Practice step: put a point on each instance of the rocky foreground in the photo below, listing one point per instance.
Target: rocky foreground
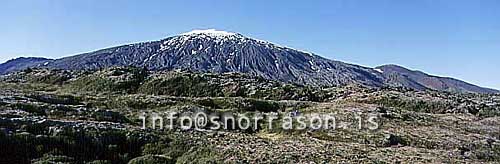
(51, 116)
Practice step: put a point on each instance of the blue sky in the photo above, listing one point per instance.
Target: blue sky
(456, 38)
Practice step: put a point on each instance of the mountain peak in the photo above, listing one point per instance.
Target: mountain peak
(222, 36)
(210, 32)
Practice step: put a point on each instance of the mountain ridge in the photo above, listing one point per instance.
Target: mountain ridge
(433, 81)
(21, 63)
(220, 52)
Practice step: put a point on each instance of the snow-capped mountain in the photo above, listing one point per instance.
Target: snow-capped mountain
(220, 51)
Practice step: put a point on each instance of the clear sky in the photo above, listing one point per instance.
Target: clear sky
(457, 38)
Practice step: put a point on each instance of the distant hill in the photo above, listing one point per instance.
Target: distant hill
(397, 75)
(21, 64)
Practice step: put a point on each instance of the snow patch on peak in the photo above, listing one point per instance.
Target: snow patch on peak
(210, 32)
(222, 36)
(379, 70)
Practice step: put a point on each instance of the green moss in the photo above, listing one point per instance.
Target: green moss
(100, 162)
(49, 79)
(29, 87)
(110, 116)
(30, 108)
(105, 81)
(49, 159)
(241, 104)
(200, 155)
(415, 105)
(152, 159)
(57, 99)
(488, 111)
(187, 85)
